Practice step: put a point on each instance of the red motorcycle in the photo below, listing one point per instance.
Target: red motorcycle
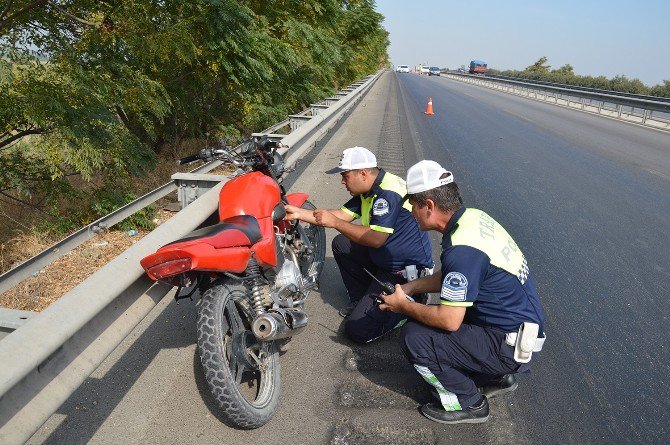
(254, 272)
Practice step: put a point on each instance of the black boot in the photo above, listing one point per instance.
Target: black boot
(477, 413)
(346, 311)
(498, 387)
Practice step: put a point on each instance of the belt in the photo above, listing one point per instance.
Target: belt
(422, 271)
(510, 339)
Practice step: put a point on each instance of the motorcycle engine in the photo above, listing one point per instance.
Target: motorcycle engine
(288, 274)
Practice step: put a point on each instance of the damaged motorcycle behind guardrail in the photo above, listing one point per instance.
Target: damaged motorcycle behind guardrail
(253, 271)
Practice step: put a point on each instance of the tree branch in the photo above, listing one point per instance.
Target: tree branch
(5, 21)
(27, 204)
(73, 17)
(6, 9)
(19, 135)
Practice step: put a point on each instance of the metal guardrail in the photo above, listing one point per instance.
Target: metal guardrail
(38, 262)
(46, 359)
(581, 88)
(642, 110)
(41, 260)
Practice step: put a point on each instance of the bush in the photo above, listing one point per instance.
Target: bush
(92, 205)
(566, 76)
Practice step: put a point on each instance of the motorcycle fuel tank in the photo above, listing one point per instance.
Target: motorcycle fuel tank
(250, 194)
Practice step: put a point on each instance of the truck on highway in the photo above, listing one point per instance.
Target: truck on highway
(477, 67)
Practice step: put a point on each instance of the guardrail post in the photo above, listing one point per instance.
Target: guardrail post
(12, 319)
(318, 109)
(297, 120)
(191, 186)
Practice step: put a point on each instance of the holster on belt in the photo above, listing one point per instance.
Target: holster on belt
(526, 341)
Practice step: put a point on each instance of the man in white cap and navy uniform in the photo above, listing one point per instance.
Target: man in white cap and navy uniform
(387, 243)
(489, 321)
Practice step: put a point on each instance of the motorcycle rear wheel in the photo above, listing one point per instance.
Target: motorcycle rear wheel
(242, 373)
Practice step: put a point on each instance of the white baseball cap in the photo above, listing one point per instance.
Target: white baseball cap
(355, 158)
(425, 175)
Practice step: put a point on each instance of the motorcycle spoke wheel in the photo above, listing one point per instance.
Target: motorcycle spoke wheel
(242, 373)
(311, 263)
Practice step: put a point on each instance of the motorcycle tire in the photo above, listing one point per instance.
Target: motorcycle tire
(242, 373)
(317, 236)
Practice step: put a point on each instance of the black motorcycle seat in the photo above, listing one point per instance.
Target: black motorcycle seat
(236, 231)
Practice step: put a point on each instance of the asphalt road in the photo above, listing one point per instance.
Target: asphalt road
(588, 201)
(586, 198)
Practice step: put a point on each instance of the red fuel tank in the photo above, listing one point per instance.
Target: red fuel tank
(250, 194)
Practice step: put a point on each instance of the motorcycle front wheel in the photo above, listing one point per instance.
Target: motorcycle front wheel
(312, 263)
(242, 373)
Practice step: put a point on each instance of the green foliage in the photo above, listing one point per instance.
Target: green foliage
(661, 90)
(98, 88)
(71, 209)
(566, 69)
(540, 66)
(565, 75)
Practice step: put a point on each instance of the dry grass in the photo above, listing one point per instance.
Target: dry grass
(21, 247)
(19, 242)
(58, 278)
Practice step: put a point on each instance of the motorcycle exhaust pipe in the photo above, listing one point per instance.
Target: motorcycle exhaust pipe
(278, 324)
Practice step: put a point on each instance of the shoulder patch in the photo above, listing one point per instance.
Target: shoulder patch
(380, 207)
(454, 287)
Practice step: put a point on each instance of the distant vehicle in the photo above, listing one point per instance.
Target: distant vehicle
(425, 70)
(402, 69)
(477, 67)
(433, 71)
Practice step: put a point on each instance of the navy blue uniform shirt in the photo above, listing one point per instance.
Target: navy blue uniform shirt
(493, 297)
(383, 210)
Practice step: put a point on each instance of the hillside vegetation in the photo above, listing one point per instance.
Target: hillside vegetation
(93, 92)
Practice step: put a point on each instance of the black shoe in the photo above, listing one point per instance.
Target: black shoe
(477, 413)
(346, 311)
(498, 387)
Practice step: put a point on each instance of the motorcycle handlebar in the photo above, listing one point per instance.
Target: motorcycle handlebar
(207, 153)
(188, 159)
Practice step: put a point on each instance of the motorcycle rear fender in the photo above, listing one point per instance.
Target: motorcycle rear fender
(203, 257)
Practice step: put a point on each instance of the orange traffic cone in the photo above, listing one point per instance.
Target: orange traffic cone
(429, 107)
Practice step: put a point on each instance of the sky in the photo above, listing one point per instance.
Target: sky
(596, 37)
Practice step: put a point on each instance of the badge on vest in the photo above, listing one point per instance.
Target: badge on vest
(380, 207)
(454, 287)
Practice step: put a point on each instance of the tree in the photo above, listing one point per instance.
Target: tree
(661, 90)
(539, 66)
(565, 69)
(97, 87)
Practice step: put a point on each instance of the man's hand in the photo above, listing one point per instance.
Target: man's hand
(294, 212)
(394, 302)
(325, 218)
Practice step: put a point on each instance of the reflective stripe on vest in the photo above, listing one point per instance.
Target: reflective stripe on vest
(478, 230)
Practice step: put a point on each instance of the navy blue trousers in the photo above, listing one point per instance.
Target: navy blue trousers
(460, 361)
(366, 322)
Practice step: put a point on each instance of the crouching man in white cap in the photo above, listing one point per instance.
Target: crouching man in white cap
(489, 320)
(387, 243)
